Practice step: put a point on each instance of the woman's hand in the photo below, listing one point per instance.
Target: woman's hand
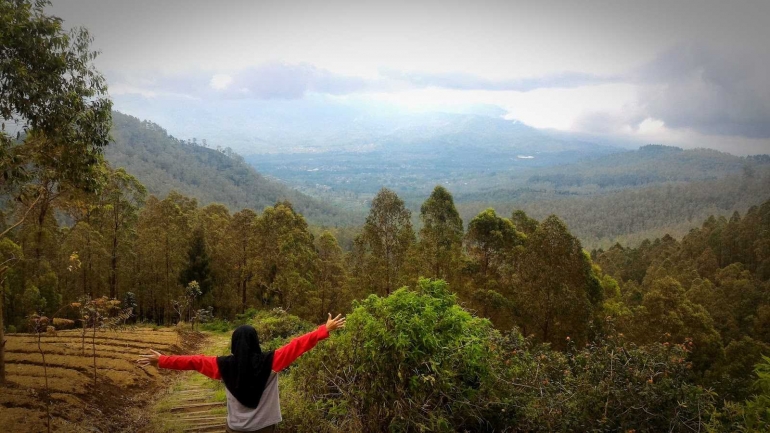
(336, 323)
(151, 359)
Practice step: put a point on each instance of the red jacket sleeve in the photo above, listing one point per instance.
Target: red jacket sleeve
(206, 365)
(287, 354)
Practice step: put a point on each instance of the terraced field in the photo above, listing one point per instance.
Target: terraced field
(115, 401)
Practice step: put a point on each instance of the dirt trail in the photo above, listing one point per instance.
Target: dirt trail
(195, 403)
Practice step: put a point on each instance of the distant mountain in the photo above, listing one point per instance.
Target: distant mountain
(164, 163)
(317, 124)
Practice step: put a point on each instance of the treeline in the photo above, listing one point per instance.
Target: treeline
(120, 243)
(632, 215)
(649, 164)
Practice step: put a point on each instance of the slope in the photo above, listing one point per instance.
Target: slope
(163, 163)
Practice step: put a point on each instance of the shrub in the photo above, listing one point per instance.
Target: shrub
(279, 325)
(412, 361)
(218, 325)
(608, 385)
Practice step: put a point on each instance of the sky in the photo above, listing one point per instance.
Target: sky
(687, 73)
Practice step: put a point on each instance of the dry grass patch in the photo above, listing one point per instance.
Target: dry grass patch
(115, 402)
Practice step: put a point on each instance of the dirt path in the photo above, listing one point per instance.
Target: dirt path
(194, 403)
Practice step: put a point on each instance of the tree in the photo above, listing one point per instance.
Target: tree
(332, 275)
(184, 304)
(557, 292)
(441, 235)
(51, 91)
(666, 315)
(198, 264)
(284, 260)
(492, 243)
(121, 200)
(214, 220)
(10, 253)
(240, 234)
(164, 231)
(524, 223)
(380, 251)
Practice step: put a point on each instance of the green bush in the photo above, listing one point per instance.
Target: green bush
(413, 361)
(217, 325)
(278, 324)
(11, 329)
(275, 327)
(607, 385)
(246, 317)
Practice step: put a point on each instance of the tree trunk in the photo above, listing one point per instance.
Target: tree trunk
(2, 334)
(114, 263)
(243, 296)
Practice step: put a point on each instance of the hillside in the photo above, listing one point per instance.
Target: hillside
(163, 163)
(629, 196)
(630, 215)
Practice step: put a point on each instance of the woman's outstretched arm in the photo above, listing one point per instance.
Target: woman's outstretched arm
(287, 354)
(206, 365)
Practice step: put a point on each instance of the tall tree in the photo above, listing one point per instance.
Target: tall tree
(241, 235)
(380, 251)
(198, 267)
(121, 200)
(53, 94)
(284, 259)
(441, 236)
(332, 276)
(51, 91)
(558, 291)
(214, 220)
(492, 243)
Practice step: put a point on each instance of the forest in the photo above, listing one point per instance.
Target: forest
(500, 323)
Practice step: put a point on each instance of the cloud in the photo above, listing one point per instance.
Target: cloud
(710, 91)
(459, 81)
(220, 81)
(268, 81)
(690, 87)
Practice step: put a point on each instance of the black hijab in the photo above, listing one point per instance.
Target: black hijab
(246, 371)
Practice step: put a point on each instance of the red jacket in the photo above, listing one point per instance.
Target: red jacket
(282, 357)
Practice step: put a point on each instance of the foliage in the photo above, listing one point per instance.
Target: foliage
(54, 94)
(558, 293)
(380, 252)
(435, 353)
(441, 236)
(198, 268)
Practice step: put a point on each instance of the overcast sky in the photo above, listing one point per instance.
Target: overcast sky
(691, 73)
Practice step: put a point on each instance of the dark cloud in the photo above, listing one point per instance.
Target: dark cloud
(470, 82)
(710, 91)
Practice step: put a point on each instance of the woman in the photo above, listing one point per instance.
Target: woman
(250, 376)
